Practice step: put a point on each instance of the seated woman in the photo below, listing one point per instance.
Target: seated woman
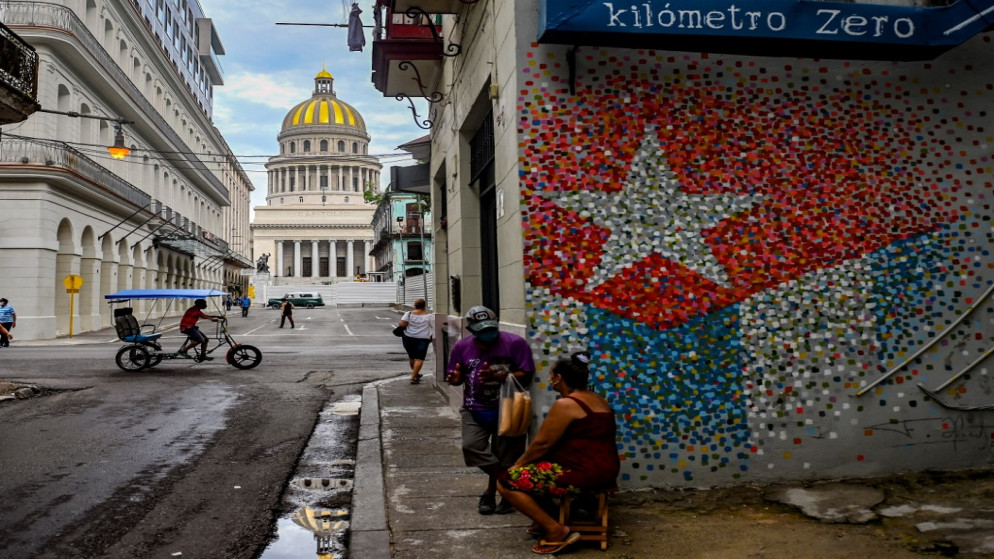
(575, 450)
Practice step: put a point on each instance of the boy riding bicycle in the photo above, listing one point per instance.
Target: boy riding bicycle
(188, 326)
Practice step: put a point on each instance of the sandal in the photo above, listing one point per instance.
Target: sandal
(416, 380)
(551, 548)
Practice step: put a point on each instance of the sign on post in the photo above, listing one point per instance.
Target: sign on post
(72, 283)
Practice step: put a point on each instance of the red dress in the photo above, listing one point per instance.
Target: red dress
(584, 458)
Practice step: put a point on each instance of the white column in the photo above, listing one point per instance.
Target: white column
(341, 179)
(333, 258)
(315, 260)
(296, 259)
(279, 258)
(349, 272)
(367, 246)
(349, 188)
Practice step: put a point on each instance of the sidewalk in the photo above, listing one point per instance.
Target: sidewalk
(414, 498)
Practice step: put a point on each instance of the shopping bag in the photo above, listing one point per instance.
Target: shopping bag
(515, 409)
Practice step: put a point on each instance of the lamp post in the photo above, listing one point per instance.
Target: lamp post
(403, 264)
(118, 150)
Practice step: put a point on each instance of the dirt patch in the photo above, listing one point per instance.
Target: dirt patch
(742, 522)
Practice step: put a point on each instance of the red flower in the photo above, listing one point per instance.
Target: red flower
(544, 466)
(525, 473)
(524, 484)
(558, 491)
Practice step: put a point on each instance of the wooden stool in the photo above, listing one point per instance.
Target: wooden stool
(590, 530)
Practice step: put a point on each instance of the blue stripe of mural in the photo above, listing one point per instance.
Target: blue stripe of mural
(678, 393)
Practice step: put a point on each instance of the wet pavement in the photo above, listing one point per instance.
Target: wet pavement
(414, 498)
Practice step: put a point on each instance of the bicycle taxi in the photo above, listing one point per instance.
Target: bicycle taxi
(143, 350)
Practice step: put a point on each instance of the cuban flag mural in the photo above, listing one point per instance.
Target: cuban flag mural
(745, 243)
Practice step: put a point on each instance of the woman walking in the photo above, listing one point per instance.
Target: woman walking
(419, 328)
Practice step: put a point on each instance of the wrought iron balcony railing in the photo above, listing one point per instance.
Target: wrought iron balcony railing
(18, 77)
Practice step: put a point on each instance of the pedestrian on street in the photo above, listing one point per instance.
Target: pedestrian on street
(245, 302)
(419, 328)
(6, 334)
(227, 303)
(286, 311)
(575, 450)
(481, 363)
(8, 319)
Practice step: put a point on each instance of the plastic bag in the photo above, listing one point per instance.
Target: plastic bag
(515, 409)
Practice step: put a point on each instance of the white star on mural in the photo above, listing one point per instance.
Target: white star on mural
(652, 215)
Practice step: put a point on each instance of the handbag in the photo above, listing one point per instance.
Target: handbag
(515, 409)
(399, 331)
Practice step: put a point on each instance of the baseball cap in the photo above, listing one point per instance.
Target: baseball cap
(480, 318)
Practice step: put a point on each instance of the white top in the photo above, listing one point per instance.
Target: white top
(419, 325)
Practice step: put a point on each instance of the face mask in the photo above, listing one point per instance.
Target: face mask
(487, 336)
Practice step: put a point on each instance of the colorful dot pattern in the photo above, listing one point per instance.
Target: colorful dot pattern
(867, 234)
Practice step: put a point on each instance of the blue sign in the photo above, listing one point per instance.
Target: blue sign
(770, 27)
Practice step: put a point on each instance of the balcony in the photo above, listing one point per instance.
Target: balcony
(407, 53)
(18, 77)
(432, 6)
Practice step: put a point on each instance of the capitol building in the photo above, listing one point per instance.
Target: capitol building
(316, 225)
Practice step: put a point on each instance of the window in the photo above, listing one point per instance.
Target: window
(414, 250)
(293, 147)
(301, 199)
(341, 146)
(307, 145)
(346, 199)
(323, 181)
(355, 184)
(355, 147)
(293, 183)
(324, 145)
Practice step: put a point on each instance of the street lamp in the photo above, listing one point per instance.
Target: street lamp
(118, 150)
(403, 263)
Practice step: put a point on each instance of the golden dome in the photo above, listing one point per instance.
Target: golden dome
(323, 108)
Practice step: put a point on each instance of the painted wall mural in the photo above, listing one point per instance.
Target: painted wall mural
(746, 243)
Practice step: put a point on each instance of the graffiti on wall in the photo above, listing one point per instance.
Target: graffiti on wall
(743, 243)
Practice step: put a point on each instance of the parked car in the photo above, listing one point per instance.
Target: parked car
(307, 300)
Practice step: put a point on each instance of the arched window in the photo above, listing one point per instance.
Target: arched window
(301, 199)
(293, 147)
(307, 145)
(346, 199)
(324, 145)
(341, 146)
(355, 147)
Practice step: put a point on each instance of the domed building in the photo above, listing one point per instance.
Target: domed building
(316, 226)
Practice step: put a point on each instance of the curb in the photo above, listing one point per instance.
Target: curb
(370, 536)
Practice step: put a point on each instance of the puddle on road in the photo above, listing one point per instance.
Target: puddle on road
(320, 493)
(325, 538)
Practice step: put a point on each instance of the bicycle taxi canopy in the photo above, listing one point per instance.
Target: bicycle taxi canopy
(165, 294)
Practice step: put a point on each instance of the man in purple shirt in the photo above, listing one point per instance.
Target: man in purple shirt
(481, 364)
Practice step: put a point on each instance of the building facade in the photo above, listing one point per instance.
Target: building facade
(316, 226)
(161, 217)
(771, 231)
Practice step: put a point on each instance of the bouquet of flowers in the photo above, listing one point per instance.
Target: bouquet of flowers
(540, 478)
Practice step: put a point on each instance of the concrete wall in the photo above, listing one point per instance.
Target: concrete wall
(743, 243)
(752, 240)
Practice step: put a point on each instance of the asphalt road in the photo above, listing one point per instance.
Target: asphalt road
(184, 458)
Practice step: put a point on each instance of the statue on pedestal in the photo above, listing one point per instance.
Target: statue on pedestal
(262, 265)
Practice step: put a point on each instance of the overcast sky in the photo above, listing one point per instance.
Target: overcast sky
(269, 68)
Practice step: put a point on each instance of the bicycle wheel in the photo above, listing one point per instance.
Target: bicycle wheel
(132, 358)
(243, 356)
(153, 360)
